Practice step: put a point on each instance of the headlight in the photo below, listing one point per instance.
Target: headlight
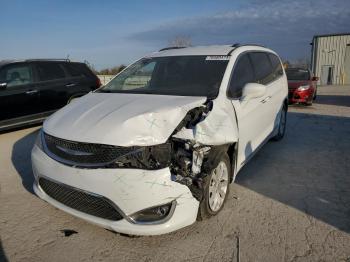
(303, 88)
(148, 157)
(39, 140)
(154, 215)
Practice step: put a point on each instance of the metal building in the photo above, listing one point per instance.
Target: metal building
(330, 58)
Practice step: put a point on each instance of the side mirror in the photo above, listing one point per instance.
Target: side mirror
(253, 90)
(315, 78)
(3, 86)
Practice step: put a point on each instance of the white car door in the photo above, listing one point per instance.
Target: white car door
(265, 75)
(278, 90)
(251, 114)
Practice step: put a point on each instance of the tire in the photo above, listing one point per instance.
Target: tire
(282, 124)
(208, 207)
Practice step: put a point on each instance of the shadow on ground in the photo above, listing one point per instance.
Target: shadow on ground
(333, 100)
(308, 169)
(21, 159)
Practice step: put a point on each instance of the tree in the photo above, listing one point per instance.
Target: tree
(180, 41)
(111, 71)
(303, 62)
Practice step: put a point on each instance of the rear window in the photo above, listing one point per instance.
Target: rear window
(50, 71)
(298, 74)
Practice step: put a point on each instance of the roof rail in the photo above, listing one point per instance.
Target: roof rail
(171, 47)
(48, 59)
(239, 45)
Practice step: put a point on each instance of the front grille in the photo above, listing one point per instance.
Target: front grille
(79, 200)
(84, 153)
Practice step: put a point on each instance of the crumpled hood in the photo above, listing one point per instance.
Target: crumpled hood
(120, 119)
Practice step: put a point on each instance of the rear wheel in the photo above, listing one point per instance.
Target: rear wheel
(216, 189)
(282, 124)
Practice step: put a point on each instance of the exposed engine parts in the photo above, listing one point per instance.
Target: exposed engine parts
(191, 161)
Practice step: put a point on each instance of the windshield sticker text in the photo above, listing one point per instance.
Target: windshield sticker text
(217, 57)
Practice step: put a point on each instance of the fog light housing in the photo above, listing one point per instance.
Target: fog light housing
(154, 215)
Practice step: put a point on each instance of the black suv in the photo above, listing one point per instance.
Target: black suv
(30, 90)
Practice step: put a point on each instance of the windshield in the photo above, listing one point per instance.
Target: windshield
(298, 74)
(172, 75)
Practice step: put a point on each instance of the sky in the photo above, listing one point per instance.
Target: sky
(108, 33)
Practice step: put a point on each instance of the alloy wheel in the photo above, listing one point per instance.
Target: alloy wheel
(218, 186)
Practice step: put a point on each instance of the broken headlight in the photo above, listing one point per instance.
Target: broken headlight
(147, 157)
(195, 115)
(158, 214)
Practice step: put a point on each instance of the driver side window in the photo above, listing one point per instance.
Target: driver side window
(242, 74)
(140, 78)
(16, 75)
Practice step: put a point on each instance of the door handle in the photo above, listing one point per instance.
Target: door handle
(70, 85)
(31, 92)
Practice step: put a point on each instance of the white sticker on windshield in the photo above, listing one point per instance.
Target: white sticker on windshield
(217, 57)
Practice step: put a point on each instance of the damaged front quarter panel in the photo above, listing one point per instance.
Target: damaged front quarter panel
(214, 127)
(199, 142)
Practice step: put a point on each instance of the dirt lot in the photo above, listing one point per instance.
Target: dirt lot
(290, 203)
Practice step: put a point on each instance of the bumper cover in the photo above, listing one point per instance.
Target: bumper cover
(295, 96)
(131, 190)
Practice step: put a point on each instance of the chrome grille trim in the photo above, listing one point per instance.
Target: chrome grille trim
(79, 154)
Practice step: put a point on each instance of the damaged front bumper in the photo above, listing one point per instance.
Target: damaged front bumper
(130, 190)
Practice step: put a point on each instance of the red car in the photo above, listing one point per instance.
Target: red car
(302, 86)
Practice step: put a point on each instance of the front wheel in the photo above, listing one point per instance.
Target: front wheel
(216, 189)
(282, 124)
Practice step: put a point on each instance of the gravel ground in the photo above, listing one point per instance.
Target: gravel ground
(290, 203)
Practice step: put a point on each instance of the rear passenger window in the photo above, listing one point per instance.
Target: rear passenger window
(276, 66)
(262, 67)
(75, 69)
(50, 71)
(242, 74)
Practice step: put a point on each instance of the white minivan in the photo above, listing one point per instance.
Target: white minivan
(156, 148)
